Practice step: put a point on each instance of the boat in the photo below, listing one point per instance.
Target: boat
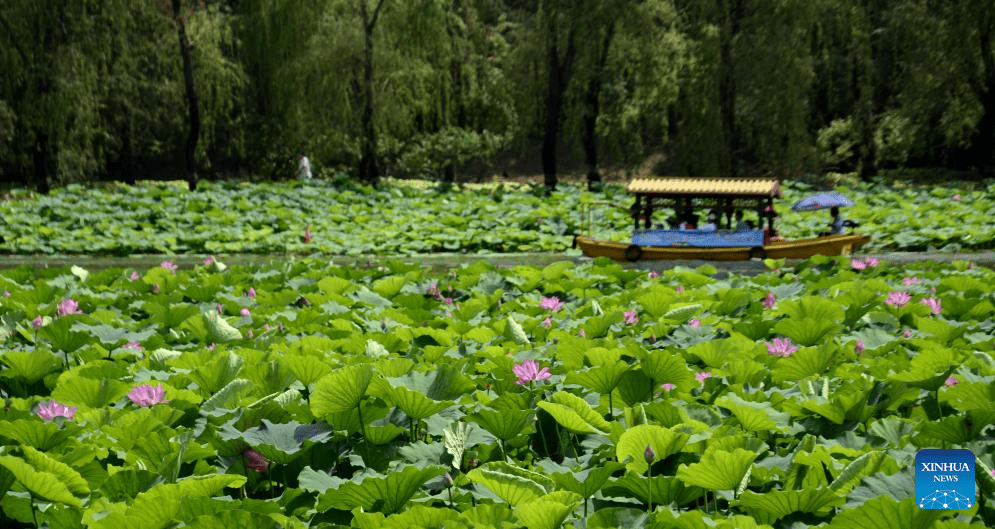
(723, 197)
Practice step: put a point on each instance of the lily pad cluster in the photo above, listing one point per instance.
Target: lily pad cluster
(301, 394)
(413, 217)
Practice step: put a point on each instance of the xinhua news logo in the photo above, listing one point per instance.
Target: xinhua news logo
(945, 478)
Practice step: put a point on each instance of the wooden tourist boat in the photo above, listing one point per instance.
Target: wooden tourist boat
(722, 196)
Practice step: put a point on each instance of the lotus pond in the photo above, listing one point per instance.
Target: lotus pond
(302, 394)
(417, 217)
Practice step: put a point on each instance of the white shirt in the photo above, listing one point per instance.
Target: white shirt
(304, 168)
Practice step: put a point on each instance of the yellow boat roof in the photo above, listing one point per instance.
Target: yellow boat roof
(706, 186)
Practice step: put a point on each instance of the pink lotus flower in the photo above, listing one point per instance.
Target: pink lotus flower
(649, 455)
(907, 333)
(211, 346)
(434, 291)
(251, 293)
(935, 306)
(169, 265)
(909, 281)
(554, 304)
(695, 323)
(667, 386)
(220, 309)
(307, 234)
(630, 317)
(209, 260)
(528, 371)
(156, 289)
(547, 323)
(781, 347)
(956, 197)
(132, 345)
(769, 301)
(951, 382)
(6, 293)
(857, 264)
(654, 274)
(249, 334)
(37, 322)
(255, 461)
(859, 347)
(679, 289)
(701, 376)
(52, 409)
(134, 276)
(68, 306)
(581, 333)
(898, 299)
(145, 395)
(245, 312)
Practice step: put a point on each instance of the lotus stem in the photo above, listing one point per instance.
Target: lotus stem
(611, 406)
(649, 489)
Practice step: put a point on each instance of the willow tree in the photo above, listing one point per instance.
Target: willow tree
(627, 79)
(49, 87)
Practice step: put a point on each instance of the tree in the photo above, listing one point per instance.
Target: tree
(175, 11)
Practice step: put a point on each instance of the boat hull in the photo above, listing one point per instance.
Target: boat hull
(842, 244)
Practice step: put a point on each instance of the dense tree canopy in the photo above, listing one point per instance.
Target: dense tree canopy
(439, 88)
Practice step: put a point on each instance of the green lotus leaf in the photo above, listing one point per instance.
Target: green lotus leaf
(37, 434)
(547, 512)
(125, 485)
(386, 494)
(60, 335)
(341, 390)
(73, 389)
(970, 396)
(455, 442)
(598, 326)
(512, 484)
(682, 312)
(504, 424)
(574, 414)
(811, 308)
(886, 512)
(662, 490)
(929, 369)
(227, 398)
(952, 429)
(31, 366)
(663, 366)
(633, 444)
(161, 506)
(754, 416)
(615, 517)
(414, 404)
(219, 330)
(308, 369)
(282, 443)
(718, 469)
(586, 482)
(941, 331)
(806, 331)
(226, 518)
(389, 286)
(602, 378)
(516, 332)
(417, 517)
(66, 474)
(804, 363)
(45, 485)
(858, 469)
(776, 504)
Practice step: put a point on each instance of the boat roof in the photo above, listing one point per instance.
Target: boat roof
(686, 186)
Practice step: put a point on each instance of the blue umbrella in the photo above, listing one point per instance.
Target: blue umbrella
(822, 201)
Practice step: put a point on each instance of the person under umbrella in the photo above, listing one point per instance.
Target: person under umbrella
(836, 223)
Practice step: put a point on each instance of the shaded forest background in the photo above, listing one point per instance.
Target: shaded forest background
(449, 89)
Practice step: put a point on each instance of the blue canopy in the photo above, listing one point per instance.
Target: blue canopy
(822, 201)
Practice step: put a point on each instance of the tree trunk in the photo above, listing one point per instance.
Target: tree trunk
(369, 171)
(592, 109)
(983, 142)
(559, 76)
(727, 87)
(193, 105)
(44, 163)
